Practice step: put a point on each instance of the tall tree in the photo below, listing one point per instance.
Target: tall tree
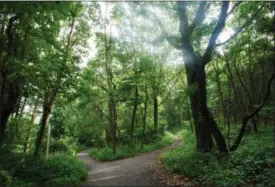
(65, 73)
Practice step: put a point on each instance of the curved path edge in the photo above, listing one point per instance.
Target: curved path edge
(133, 171)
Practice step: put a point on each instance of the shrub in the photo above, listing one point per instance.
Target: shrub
(250, 164)
(59, 147)
(90, 140)
(106, 154)
(65, 146)
(58, 170)
(149, 135)
(5, 178)
(61, 167)
(124, 139)
(22, 183)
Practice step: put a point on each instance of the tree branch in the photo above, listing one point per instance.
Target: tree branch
(70, 35)
(217, 30)
(251, 115)
(103, 88)
(240, 29)
(184, 25)
(234, 7)
(168, 94)
(170, 39)
(101, 111)
(199, 16)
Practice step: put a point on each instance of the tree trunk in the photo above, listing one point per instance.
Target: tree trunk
(117, 130)
(134, 113)
(8, 102)
(48, 140)
(221, 99)
(4, 120)
(28, 139)
(237, 97)
(144, 117)
(47, 107)
(208, 118)
(20, 114)
(248, 96)
(205, 125)
(43, 126)
(189, 114)
(113, 123)
(273, 10)
(252, 114)
(23, 107)
(155, 100)
(202, 131)
(108, 136)
(17, 108)
(10, 92)
(231, 108)
(228, 119)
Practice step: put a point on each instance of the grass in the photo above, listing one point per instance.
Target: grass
(252, 164)
(125, 151)
(56, 171)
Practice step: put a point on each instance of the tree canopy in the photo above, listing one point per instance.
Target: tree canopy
(121, 77)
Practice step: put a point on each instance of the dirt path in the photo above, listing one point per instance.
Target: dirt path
(134, 171)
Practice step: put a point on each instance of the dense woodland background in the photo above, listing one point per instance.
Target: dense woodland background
(129, 77)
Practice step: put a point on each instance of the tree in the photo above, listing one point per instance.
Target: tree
(65, 73)
(24, 35)
(195, 63)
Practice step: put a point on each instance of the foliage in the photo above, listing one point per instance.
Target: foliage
(5, 178)
(65, 145)
(251, 164)
(57, 170)
(127, 150)
(16, 131)
(107, 75)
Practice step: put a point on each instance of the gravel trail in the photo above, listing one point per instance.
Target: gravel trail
(134, 171)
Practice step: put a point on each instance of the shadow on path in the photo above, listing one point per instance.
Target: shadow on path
(134, 171)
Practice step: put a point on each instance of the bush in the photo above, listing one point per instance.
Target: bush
(106, 154)
(149, 135)
(16, 133)
(58, 170)
(64, 145)
(9, 161)
(250, 164)
(103, 154)
(124, 139)
(90, 140)
(64, 171)
(59, 147)
(5, 178)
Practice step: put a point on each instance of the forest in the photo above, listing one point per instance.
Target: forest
(173, 93)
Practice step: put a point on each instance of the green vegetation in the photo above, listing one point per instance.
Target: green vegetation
(5, 178)
(124, 151)
(118, 77)
(57, 171)
(251, 164)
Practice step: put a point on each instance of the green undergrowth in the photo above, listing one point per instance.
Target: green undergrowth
(251, 164)
(124, 151)
(56, 171)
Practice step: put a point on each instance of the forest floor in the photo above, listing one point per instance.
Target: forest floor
(135, 171)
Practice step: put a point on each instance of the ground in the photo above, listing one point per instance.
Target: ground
(134, 171)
